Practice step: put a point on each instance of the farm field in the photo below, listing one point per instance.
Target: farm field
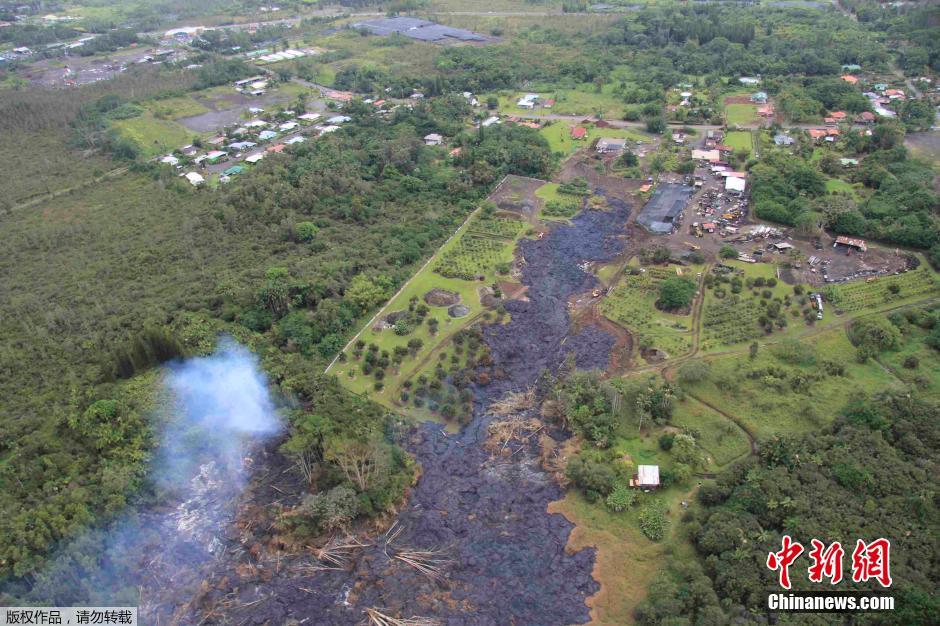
(877, 293)
(633, 304)
(731, 318)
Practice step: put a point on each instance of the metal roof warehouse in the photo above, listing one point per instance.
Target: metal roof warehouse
(664, 206)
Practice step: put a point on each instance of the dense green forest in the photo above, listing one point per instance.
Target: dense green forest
(868, 475)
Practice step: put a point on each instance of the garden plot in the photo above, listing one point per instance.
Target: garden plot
(884, 291)
(633, 304)
(745, 301)
(484, 249)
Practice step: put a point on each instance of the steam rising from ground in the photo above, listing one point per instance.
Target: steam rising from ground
(224, 406)
(220, 411)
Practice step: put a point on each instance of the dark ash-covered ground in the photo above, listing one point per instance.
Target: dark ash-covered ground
(507, 559)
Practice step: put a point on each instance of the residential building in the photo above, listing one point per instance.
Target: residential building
(607, 145)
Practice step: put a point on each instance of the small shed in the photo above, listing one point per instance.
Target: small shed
(646, 477)
(858, 244)
(433, 139)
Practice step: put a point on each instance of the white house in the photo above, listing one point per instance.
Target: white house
(293, 140)
(309, 117)
(254, 158)
(194, 178)
(170, 160)
(490, 121)
(338, 119)
(287, 126)
(433, 140)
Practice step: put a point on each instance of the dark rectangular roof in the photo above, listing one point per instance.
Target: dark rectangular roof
(415, 28)
(663, 207)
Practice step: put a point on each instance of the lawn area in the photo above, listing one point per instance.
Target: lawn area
(834, 185)
(175, 108)
(633, 305)
(739, 140)
(559, 138)
(740, 114)
(722, 439)
(777, 392)
(478, 246)
(154, 136)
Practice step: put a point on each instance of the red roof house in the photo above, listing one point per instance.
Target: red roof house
(578, 132)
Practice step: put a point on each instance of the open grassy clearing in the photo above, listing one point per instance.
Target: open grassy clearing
(581, 100)
(783, 390)
(633, 304)
(739, 140)
(914, 362)
(559, 138)
(722, 440)
(741, 114)
(175, 108)
(835, 185)
(154, 136)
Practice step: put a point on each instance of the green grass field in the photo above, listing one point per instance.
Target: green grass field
(175, 108)
(722, 439)
(740, 114)
(835, 185)
(154, 136)
(770, 395)
(739, 140)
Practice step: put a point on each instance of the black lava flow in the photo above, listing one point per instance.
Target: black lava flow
(507, 556)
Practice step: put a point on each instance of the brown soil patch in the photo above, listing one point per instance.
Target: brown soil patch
(738, 100)
(441, 297)
(513, 291)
